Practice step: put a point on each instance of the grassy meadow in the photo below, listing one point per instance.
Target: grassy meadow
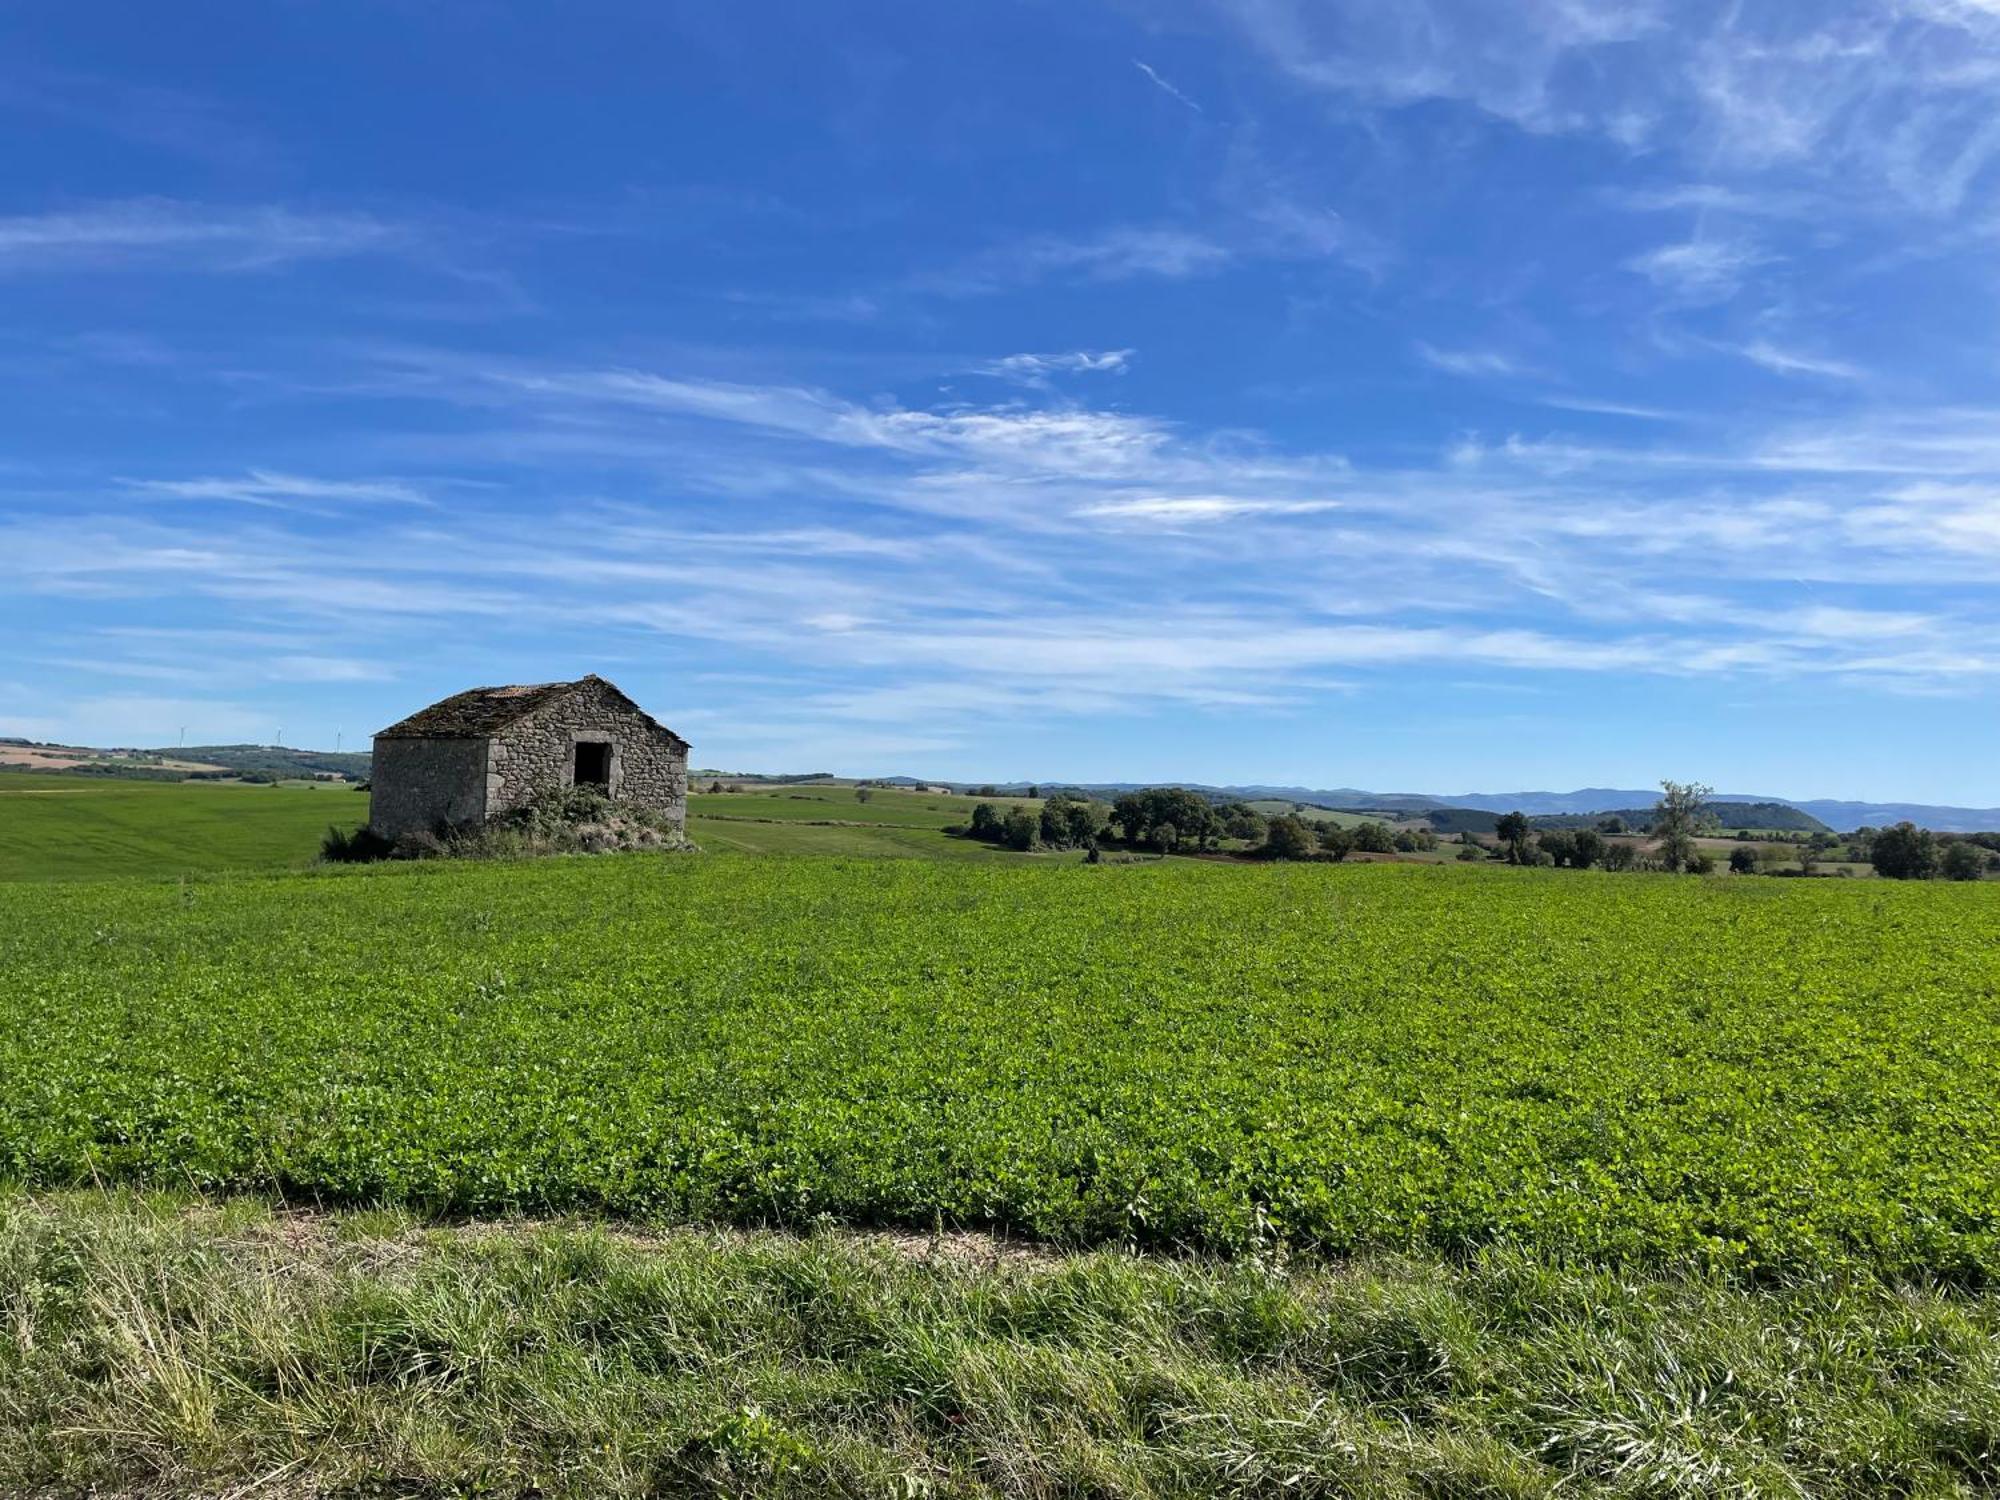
(56, 827)
(162, 1345)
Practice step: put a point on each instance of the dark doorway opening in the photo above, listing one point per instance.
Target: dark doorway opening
(593, 764)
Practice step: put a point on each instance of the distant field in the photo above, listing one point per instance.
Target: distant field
(55, 827)
(730, 836)
(1272, 807)
(897, 808)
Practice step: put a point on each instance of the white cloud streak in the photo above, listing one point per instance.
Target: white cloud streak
(163, 232)
(1165, 87)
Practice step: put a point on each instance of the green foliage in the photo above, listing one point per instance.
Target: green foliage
(1372, 838)
(1679, 817)
(1167, 1053)
(1020, 829)
(1743, 860)
(1904, 852)
(1290, 837)
(1513, 831)
(1071, 822)
(353, 846)
(557, 820)
(1586, 848)
(1961, 861)
(1190, 817)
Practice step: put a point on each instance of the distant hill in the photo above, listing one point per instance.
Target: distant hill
(182, 762)
(274, 759)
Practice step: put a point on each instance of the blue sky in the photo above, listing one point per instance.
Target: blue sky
(1409, 395)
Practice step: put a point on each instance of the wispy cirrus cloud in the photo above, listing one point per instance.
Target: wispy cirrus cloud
(161, 231)
(1035, 369)
(265, 487)
(1473, 363)
(1892, 98)
(1782, 361)
(982, 550)
(1166, 87)
(1182, 510)
(1699, 270)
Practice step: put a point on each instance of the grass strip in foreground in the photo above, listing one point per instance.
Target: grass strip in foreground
(155, 1344)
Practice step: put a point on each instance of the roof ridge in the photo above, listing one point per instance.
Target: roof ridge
(482, 712)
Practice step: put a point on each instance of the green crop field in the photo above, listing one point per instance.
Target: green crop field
(55, 827)
(1750, 1074)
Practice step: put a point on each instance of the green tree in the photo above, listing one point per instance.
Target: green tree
(1021, 830)
(1193, 816)
(987, 823)
(1586, 848)
(1678, 817)
(1513, 832)
(1336, 841)
(1905, 852)
(1070, 822)
(1961, 861)
(1743, 860)
(1618, 857)
(1373, 838)
(1289, 837)
(1242, 821)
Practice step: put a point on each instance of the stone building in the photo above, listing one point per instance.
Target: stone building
(485, 751)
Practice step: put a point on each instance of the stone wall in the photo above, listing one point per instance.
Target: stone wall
(415, 785)
(648, 768)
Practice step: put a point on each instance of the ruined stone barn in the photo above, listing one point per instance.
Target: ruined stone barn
(483, 752)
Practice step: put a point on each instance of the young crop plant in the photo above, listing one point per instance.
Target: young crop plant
(1740, 1074)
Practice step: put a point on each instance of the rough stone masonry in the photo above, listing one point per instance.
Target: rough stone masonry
(488, 750)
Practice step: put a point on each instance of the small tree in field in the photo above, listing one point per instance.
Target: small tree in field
(1513, 832)
(1961, 861)
(1905, 852)
(1679, 815)
(1289, 837)
(1743, 860)
(1559, 844)
(1020, 829)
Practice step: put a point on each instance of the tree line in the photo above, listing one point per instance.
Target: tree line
(1168, 820)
